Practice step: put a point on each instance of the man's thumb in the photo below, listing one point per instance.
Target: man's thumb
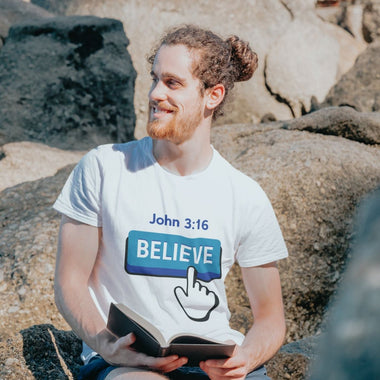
(127, 340)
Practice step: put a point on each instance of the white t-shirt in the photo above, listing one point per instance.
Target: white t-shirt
(168, 241)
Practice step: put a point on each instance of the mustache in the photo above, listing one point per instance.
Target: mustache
(162, 105)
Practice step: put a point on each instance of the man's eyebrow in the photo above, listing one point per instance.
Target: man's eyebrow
(169, 75)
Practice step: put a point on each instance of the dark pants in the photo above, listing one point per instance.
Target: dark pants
(98, 369)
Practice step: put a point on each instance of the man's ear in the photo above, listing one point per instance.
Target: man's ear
(215, 96)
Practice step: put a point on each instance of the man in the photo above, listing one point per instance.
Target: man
(156, 224)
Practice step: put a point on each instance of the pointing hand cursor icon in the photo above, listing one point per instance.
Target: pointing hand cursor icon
(196, 301)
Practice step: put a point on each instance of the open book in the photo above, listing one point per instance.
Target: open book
(122, 321)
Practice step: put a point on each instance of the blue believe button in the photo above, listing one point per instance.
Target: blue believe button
(166, 255)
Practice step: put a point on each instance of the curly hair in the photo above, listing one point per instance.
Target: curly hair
(216, 60)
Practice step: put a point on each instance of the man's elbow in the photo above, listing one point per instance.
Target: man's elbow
(66, 289)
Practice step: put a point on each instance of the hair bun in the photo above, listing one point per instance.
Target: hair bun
(243, 59)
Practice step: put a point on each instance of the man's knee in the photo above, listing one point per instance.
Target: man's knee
(123, 373)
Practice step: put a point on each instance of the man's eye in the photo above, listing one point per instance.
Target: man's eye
(172, 83)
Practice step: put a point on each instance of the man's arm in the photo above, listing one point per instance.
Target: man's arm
(77, 252)
(268, 331)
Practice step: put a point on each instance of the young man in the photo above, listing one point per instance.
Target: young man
(156, 224)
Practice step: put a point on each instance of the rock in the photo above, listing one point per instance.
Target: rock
(359, 88)
(293, 360)
(333, 15)
(314, 182)
(15, 11)
(349, 48)
(351, 347)
(262, 23)
(28, 161)
(41, 352)
(28, 241)
(67, 81)
(371, 20)
(10, 361)
(306, 347)
(299, 8)
(58, 7)
(353, 20)
(302, 63)
(340, 121)
(285, 366)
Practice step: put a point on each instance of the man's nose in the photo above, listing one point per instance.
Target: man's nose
(157, 91)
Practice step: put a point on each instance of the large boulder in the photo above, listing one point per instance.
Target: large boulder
(32, 343)
(68, 82)
(263, 23)
(340, 121)
(350, 348)
(15, 11)
(28, 242)
(371, 20)
(314, 182)
(302, 63)
(359, 88)
(42, 161)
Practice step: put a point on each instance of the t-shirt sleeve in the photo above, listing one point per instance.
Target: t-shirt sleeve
(261, 241)
(81, 194)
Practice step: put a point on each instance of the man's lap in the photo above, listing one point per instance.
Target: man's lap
(98, 369)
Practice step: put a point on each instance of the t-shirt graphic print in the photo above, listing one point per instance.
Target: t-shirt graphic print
(169, 255)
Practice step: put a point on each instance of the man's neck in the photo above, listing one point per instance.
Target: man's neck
(190, 157)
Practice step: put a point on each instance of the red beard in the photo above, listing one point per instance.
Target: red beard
(173, 126)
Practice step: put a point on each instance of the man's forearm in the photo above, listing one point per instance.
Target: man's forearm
(77, 307)
(263, 340)
(267, 334)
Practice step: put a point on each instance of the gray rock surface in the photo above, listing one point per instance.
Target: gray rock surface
(314, 182)
(340, 121)
(371, 20)
(28, 241)
(302, 63)
(15, 11)
(68, 82)
(27, 161)
(359, 88)
(351, 347)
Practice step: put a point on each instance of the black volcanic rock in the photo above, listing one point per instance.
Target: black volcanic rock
(67, 82)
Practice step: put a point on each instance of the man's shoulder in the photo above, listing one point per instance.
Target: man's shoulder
(120, 149)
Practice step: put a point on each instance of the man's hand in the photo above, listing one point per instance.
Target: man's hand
(236, 367)
(266, 335)
(118, 352)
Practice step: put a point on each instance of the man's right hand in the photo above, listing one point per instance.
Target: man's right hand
(118, 352)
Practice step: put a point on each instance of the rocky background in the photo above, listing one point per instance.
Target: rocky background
(73, 75)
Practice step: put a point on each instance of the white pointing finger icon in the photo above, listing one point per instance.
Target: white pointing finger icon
(197, 301)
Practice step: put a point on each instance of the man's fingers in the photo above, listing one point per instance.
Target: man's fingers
(174, 365)
(159, 363)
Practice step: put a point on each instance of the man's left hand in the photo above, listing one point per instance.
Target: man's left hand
(235, 367)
